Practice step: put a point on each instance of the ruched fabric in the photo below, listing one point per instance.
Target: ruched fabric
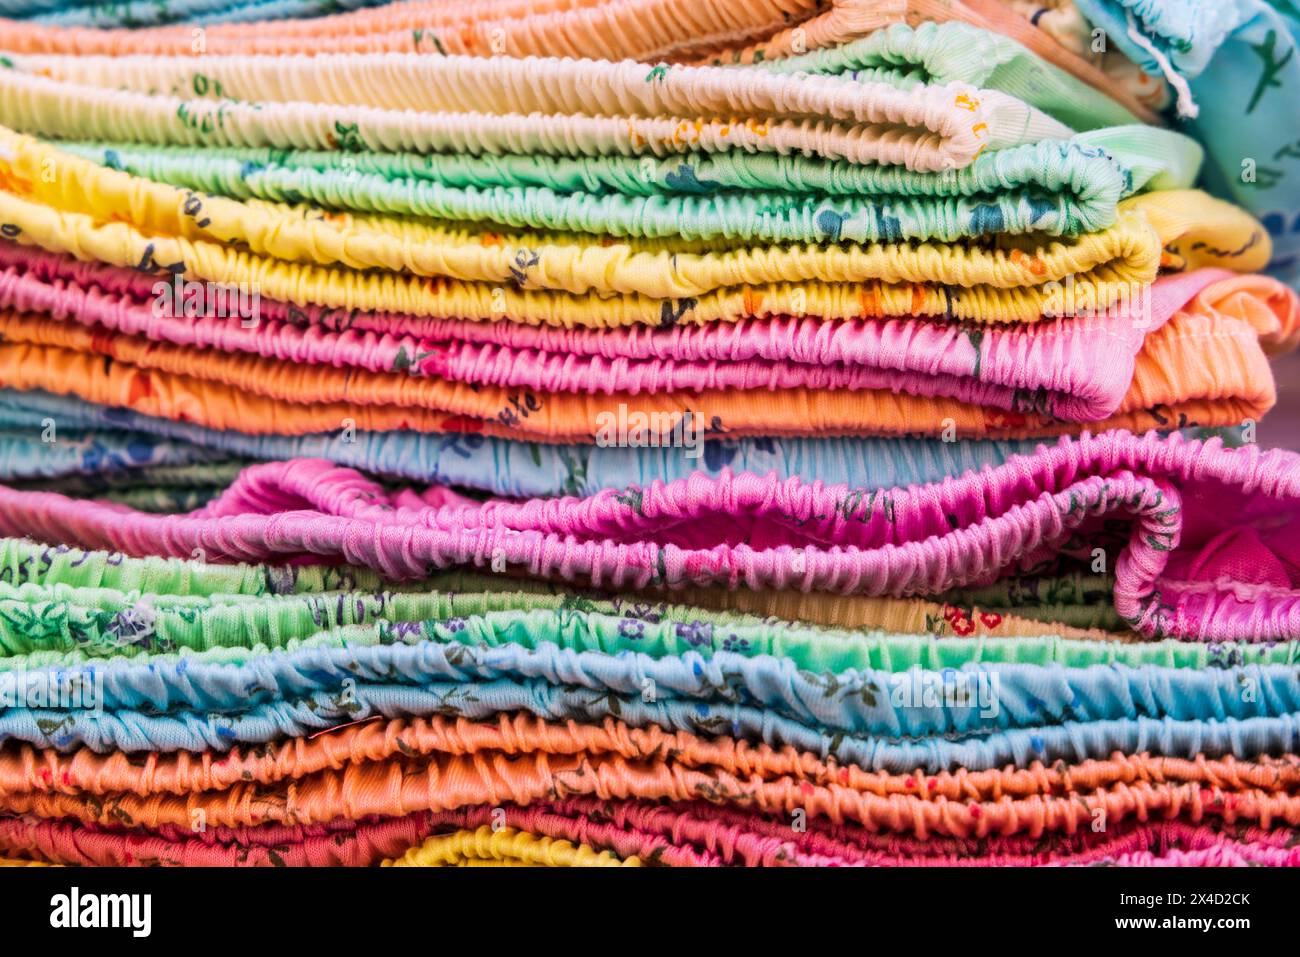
(1229, 322)
(640, 433)
(740, 530)
(687, 834)
(750, 31)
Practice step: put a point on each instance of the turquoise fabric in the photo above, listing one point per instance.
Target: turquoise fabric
(1238, 66)
(973, 699)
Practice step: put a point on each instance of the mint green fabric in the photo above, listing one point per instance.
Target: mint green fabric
(1052, 187)
(62, 605)
(581, 630)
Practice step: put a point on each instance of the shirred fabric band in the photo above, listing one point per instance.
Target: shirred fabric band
(837, 539)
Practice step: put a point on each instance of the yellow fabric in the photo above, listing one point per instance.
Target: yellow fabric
(63, 203)
(506, 847)
(1199, 231)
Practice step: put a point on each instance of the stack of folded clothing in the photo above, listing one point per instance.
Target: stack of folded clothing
(633, 433)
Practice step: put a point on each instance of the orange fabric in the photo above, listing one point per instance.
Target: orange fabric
(593, 28)
(400, 786)
(26, 770)
(790, 412)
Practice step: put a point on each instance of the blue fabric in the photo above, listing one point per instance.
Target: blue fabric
(1242, 67)
(23, 455)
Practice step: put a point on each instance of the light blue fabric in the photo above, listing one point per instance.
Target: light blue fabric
(1241, 65)
(144, 13)
(1070, 741)
(517, 469)
(890, 704)
(24, 455)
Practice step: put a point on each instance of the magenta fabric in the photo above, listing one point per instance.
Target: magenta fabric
(1211, 549)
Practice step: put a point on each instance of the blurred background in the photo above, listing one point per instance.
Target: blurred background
(1281, 427)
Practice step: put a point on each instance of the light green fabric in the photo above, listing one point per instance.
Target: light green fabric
(1051, 187)
(953, 52)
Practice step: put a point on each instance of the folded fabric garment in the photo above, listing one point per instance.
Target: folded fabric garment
(1235, 65)
(951, 55)
(1203, 367)
(682, 834)
(556, 107)
(95, 437)
(589, 28)
(98, 455)
(349, 843)
(83, 626)
(400, 785)
(1213, 328)
(1209, 554)
(1053, 187)
(569, 281)
(640, 29)
(266, 396)
(136, 730)
(99, 440)
(27, 771)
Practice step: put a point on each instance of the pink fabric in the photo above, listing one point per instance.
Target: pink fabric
(1177, 497)
(1220, 855)
(1083, 366)
(694, 834)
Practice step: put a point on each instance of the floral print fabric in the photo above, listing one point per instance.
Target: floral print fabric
(931, 514)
